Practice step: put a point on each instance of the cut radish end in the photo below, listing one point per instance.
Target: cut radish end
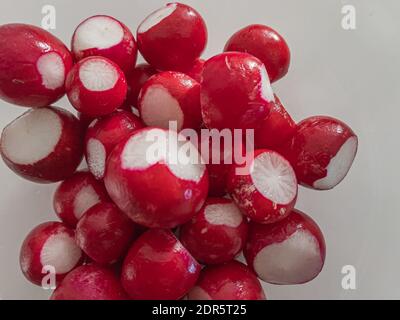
(266, 88)
(52, 70)
(156, 17)
(98, 75)
(226, 214)
(86, 198)
(96, 157)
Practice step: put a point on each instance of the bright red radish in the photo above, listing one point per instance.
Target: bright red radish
(50, 244)
(136, 79)
(170, 96)
(217, 233)
(229, 281)
(265, 187)
(291, 251)
(105, 36)
(172, 37)
(43, 145)
(96, 86)
(196, 70)
(76, 195)
(158, 267)
(33, 65)
(235, 91)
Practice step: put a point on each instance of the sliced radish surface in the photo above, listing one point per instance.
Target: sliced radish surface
(98, 75)
(51, 68)
(96, 157)
(156, 17)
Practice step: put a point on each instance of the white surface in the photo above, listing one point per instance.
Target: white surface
(352, 75)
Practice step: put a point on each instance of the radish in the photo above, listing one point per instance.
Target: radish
(49, 244)
(104, 134)
(90, 282)
(105, 36)
(43, 145)
(217, 233)
(170, 96)
(76, 195)
(136, 79)
(229, 281)
(265, 188)
(321, 152)
(87, 120)
(291, 251)
(158, 267)
(172, 37)
(156, 177)
(96, 86)
(33, 65)
(235, 91)
(196, 70)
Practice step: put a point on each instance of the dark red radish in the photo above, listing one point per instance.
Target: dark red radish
(33, 65)
(291, 251)
(96, 86)
(50, 244)
(43, 145)
(196, 70)
(158, 267)
(135, 80)
(87, 120)
(105, 36)
(172, 37)
(229, 281)
(235, 91)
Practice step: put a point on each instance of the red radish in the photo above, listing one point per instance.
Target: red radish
(96, 86)
(172, 37)
(104, 134)
(264, 188)
(170, 96)
(43, 145)
(76, 195)
(33, 65)
(158, 267)
(49, 244)
(321, 152)
(136, 79)
(217, 233)
(156, 177)
(90, 282)
(291, 251)
(104, 233)
(87, 120)
(105, 36)
(235, 91)
(229, 281)
(196, 70)
(266, 44)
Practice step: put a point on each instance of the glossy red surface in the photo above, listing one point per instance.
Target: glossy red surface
(196, 70)
(135, 79)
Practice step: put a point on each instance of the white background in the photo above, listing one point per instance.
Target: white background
(352, 75)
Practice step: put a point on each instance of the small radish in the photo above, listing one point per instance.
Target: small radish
(136, 79)
(76, 195)
(104, 134)
(170, 96)
(158, 267)
(50, 244)
(43, 145)
(196, 70)
(291, 251)
(105, 36)
(217, 233)
(156, 177)
(90, 282)
(265, 187)
(321, 152)
(96, 86)
(235, 91)
(172, 37)
(266, 44)
(229, 281)
(33, 66)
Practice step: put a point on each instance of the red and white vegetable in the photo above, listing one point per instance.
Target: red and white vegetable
(135, 80)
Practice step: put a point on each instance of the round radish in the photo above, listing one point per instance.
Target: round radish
(235, 91)
(105, 36)
(156, 177)
(217, 233)
(158, 267)
(136, 79)
(170, 96)
(76, 195)
(264, 188)
(43, 145)
(229, 281)
(266, 44)
(291, 251)
(33, 65)
(50, 244)
(172, 37)
(96, 86)
(196, 70)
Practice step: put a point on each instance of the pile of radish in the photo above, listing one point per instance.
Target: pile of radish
(140, 227)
